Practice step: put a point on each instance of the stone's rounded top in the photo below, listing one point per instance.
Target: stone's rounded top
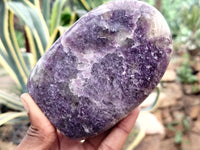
(103, 67)
(134, 7)
(120, 18)
(129, 5)
(158, 25)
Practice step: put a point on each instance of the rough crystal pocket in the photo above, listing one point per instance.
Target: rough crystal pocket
(103, 67)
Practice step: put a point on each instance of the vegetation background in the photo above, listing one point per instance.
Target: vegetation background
(170, 117)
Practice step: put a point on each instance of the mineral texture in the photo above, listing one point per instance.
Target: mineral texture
(103, 67)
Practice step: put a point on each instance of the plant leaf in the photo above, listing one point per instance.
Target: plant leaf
(155, 103)
(6, 117)
(73, 19)
(28, 58)
(32, 44)
(85, 5)
(56, 14)
(34, 20)
(15, 44)
(6, 64)
(10, 57)
(23, 119)
(35, 2)
(10, 101)
(186, 123)
(46, 10)
(178, 137)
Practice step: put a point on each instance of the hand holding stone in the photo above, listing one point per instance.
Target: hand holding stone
(102, 68)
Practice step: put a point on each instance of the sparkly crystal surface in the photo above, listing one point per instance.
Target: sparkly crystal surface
(103, 67)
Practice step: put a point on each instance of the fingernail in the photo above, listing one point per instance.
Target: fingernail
(25, 105)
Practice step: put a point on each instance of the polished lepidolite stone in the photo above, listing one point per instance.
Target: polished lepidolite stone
(103, 67)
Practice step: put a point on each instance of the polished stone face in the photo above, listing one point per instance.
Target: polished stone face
(103, 67)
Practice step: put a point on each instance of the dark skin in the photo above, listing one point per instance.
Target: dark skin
(42, 135)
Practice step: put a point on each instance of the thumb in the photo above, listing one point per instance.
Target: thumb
(41, 134)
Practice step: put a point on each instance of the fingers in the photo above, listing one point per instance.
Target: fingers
(93, 143)
(41, 133)
(116, 139)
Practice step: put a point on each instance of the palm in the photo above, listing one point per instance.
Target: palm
(90, 144)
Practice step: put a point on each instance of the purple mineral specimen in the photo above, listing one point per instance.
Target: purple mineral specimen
(103, 67)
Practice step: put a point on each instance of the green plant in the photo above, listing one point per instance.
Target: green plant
(190, 20)
(171, 11)
(185, 72)
(183, 18)
(17, 63)
(196, 88)
(20, 38)
(185, 126)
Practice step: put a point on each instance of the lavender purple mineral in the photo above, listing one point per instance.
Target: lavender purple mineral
(103, 67)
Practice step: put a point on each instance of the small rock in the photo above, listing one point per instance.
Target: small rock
(196, 65)
(196, 126)
(173, 90)
(166, 116)
(192, 100)
(178, 115)
(166, 101)
(158, 114)
(179, 105)
(169, 76)
(194, 112)
(192, 88)
(169, 133)
(150, 123)
(188, 89)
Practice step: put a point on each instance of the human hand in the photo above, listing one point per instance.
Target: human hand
(42, 135)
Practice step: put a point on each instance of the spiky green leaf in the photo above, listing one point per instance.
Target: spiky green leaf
(28, 58)
(9, 53)
(46, 10)
(11, 101)
(56, 14)
(6, 117)
(34, 20)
